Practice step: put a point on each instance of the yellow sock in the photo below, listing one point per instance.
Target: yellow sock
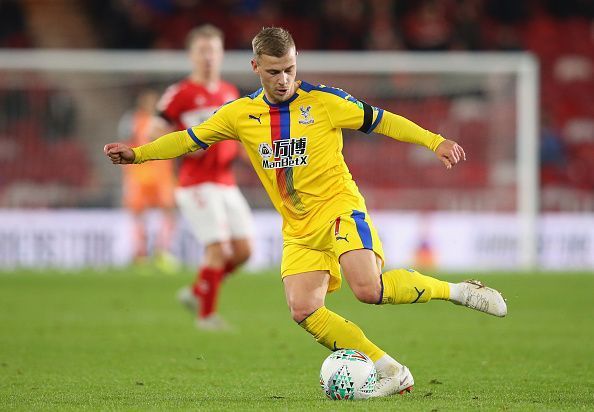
(335, 332)
(409, 286)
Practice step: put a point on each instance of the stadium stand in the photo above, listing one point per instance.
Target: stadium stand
(559, 33)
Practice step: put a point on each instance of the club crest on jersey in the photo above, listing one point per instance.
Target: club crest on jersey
(200, 100)
(305, 115)
(284, 153)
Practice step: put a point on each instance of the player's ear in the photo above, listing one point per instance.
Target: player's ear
(254, 65)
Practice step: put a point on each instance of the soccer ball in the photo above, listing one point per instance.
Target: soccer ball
(348, 374)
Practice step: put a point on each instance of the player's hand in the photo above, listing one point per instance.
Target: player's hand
(119, 153)
(450, 153)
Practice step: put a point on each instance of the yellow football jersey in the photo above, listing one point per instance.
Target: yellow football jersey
(296, 149)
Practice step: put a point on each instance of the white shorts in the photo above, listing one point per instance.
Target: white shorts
(215, 212)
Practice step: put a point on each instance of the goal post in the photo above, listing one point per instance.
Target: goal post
(414, 77)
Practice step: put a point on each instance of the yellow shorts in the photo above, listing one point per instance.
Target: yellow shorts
(321, 249)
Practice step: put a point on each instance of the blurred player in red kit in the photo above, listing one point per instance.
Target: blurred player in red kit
(207, 195)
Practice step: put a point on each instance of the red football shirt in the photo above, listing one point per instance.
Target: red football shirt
(187, 104)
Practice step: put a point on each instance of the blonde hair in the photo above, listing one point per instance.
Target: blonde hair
(205, 31)
(272, 41)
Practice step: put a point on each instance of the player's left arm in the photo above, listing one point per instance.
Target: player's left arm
(347, 112)
(400, 128)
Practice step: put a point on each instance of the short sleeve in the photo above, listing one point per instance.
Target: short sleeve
(347, 112)
(169, 105)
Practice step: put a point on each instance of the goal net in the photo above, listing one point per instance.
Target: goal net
(61, 107)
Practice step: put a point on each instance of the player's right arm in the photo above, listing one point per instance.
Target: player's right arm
(169, 146)
(220, 126)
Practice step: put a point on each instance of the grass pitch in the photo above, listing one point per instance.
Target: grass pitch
(120, 341)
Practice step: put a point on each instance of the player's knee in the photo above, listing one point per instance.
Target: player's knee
(368, 292)
(214, 256)
(242, 254)
(299, 315)
(301, 310)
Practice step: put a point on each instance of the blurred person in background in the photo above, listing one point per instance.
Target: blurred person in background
(148, 186)
(427, 26)
(207, 195)
(292, 131)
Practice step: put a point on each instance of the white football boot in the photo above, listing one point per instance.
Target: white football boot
(186, 297)
(213, 323)
(473, 294)
(393, 380)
